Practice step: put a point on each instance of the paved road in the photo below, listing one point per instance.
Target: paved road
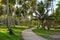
(29, 35)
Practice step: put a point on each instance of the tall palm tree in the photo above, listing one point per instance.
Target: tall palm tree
(1, 10)
(8, 19)
(7, 2)
(41, 10)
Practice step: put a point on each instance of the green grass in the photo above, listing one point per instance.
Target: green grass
(45, 33)
(5, 36)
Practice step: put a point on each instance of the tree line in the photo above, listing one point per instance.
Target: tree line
(25, 8)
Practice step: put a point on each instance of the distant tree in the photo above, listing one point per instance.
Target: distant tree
(57, 14)
(1, 10)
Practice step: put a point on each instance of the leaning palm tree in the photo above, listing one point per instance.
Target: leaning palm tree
(25, 8)
(32, 4)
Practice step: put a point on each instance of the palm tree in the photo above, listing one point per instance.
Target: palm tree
(49, 3)
(8, 19)
(57, 14)
(7, 2)
(41, 11)
(1, 10)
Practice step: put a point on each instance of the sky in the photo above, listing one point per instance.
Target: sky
(55, 2)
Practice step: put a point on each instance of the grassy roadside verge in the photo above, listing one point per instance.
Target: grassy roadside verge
(5, 36)
(45, 33)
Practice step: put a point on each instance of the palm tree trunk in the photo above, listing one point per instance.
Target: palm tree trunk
(38, 23)
(31, 18)
(8, 19)
(43, 27)
(4, 17)
(14, 20)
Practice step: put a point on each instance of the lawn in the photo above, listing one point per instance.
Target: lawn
(5, 36)
(45, 33)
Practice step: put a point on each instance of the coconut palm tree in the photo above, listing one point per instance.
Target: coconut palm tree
(7, 3)
(43, 9)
